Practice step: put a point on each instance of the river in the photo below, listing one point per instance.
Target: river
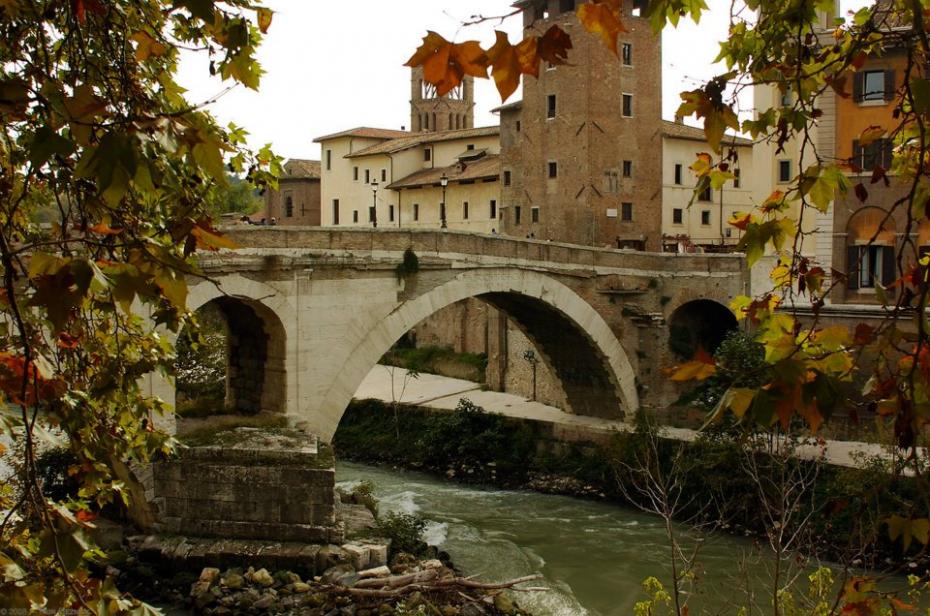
(593, 556)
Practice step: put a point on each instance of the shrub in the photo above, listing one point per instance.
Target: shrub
(405, 532)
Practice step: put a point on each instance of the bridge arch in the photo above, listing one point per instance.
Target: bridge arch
(261, 332)
(699, 324)
(586, 356)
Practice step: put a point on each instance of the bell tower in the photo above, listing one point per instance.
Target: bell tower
(430, 112)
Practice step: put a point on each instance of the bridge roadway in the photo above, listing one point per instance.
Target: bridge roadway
(311, 310)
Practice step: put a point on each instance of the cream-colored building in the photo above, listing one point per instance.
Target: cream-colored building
(701, 223)
(395, 179)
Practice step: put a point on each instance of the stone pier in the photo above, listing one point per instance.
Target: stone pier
(248, 483)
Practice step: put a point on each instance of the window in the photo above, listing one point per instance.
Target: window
(626, 54)
(534, 214)
(550, 106)
(465, 210)
(873, 86)
(678, 169)
(877, 153)
(626, 211)
(627, 106)
(784, 171)
(371, 214)
(367, 176)
(329, 159)
(493, 212)
(728, 232)
(869, 265)
(516, 215)
(470, 146)
(677, 215)
(354, 215)
(335, 211)
(416, 211)
(384, 175)
(736, 178)
(289, 206)
(613, 181)
(787, 98)
(507, 178)
(390, 213)
(553, 169)
(518, 126)
(427, 154)
(706, 195)
(705, 217)
(355, 173)
(628, 168)
(566, 6)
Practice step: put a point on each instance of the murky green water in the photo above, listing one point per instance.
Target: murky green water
(593, 556)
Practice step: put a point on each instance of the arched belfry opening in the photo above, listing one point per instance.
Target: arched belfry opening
(699, 324)
(235, 363)
(430, 112)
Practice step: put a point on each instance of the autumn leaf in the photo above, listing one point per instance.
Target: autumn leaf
(870, 135)
(209, 239)
(740, 220)
(509, 62)
(104, 229)
(445, 64)
(701, 367)
(553, 46)
(602, 20)
(146, 46)
(264, 19)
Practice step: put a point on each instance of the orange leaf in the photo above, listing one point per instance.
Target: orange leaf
(698, 369)
(553, 46)
(602, 20)
(740, 220)
(209, 239)
(104, 229)
(264, 19)
(445, 64)
(508, 62)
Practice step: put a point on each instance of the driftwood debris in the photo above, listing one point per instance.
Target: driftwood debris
(428, 581)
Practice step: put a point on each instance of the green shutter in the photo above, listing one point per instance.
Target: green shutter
(852, 268)
(889, 84)
(888, 265)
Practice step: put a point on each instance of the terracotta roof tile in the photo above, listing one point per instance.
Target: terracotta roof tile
(302, 168)
(487, 167)
(410, 141)
(683, 131)
(367, 132)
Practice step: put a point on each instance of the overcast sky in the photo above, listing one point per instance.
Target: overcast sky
(336, 65)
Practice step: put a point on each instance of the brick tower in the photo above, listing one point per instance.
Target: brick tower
(582, 153)
(431, 113)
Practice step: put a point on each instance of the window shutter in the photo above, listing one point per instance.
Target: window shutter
(852, 267)
(888, 265)
(889, 84)
(856, 153)
(858, 78)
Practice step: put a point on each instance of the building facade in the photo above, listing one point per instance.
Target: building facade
(297, 199)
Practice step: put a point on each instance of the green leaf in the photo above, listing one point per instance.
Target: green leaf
(47, 143)
(201, 9)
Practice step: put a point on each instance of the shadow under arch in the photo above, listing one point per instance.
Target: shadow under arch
(699, 324)
(258, 320)
(585, 355)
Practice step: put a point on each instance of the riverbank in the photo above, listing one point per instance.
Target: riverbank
(844, 508)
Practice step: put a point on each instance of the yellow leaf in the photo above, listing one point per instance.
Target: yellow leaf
(870, 135)
(698, 369)
(602, 20)
(509, 62)
(146, 46)
(739, 400)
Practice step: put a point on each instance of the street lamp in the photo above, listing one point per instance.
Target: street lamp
(373, 215)
(443, 181)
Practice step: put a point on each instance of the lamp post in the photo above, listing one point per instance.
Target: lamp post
(443, 181)
(530, 356)
(373, 215)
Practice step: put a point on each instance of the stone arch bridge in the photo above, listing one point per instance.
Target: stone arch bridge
(311, 311)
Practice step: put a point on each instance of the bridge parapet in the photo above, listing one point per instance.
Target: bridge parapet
(478, 246)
